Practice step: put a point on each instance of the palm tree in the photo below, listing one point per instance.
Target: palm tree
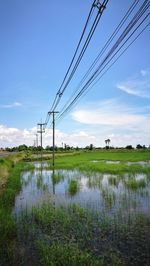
(107, 141)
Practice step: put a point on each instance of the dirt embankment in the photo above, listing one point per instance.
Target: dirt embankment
(4, 172)
(6, 164)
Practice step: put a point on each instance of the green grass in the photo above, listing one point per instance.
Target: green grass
(134, 184)
(112, 155)
(7, 224)
(83, 161)
(109, 197)
(73, 187)
(6, 165)
(69, 255)
(49, 155)
(56, 178)
(113, 181)
(71, 235)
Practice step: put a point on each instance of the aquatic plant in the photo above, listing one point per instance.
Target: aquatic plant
(65, 254)
(109, 197)
(135, 184)
(57, 177)
(39, 181)
(71, 234)
(113, 180)
(73, 187)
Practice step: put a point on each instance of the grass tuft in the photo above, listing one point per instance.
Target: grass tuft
(73, 187)
(134, 184)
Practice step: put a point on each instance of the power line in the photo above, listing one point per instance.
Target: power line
(138, 15)
(63, 114)
(80, 40)
(75, 53)
(85, 89)
(123, 20)
(101, 7)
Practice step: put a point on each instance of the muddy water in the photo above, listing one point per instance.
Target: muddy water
(96, 191)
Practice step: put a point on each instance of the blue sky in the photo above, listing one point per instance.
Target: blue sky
(38, 38)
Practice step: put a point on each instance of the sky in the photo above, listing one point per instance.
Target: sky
(38, 39)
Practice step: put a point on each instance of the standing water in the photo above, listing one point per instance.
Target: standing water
(74, 212)
(92, 190)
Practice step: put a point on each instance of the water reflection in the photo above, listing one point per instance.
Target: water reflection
(102, 192)
(142, 163)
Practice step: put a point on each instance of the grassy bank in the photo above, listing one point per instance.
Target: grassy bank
(10, 174)
(97, 161)
(6, 165)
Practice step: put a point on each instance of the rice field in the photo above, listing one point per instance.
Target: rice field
(92, 209)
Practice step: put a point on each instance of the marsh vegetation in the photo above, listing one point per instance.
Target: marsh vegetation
(81, 213)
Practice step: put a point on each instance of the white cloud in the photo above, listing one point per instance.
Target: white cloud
(10, 137)
(102, 117)
(109, 113)
(14, 136)
(15, 104)
(78, 138)
(145, 72)
(112, 119)
(137, 86)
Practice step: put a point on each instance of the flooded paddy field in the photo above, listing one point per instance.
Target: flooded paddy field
(92, 209)
(83, 217)
(92, 190)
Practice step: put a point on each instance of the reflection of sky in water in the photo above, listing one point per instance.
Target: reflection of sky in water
(101, 192)
(118, 162)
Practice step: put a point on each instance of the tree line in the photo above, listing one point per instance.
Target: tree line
(66, 147)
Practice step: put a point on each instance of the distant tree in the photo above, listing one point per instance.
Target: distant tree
(8, 149)
(65, 146)
(144, 147)
(22, 147)
(68, 147)
(129, 147)
(56, 148)
(107, 141)
(139, 146)
(86, 148)
(91, 147)
(47, 148)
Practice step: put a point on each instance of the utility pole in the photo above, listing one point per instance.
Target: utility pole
(41, 131)
(36, 140)
(36, 143)
(53, 113)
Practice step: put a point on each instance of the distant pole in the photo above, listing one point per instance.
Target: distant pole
(41, 131)
(53, 139)
(53, 158)
(36, 139)
(36, 143)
